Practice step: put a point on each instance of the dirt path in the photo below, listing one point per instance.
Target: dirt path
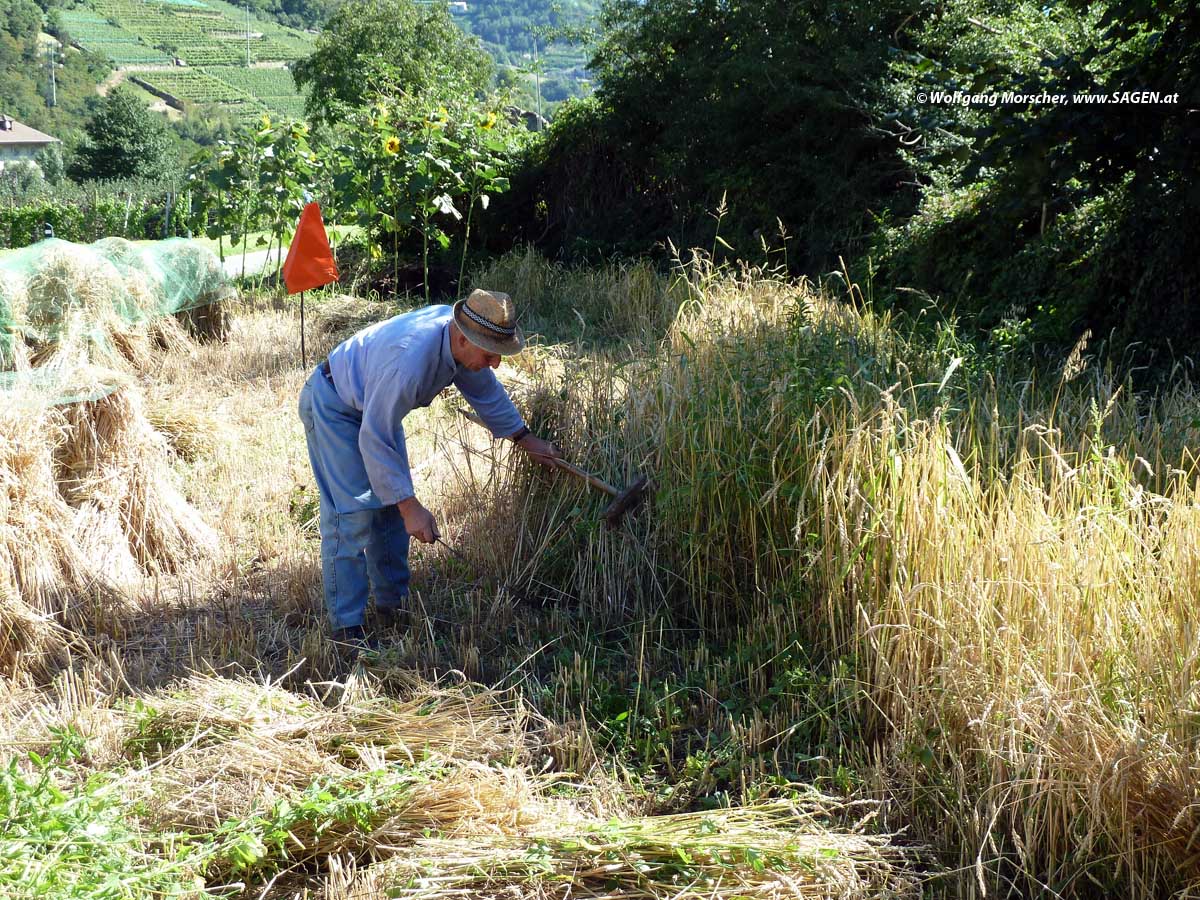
(113, 80)
(256, 262)
(118, 76)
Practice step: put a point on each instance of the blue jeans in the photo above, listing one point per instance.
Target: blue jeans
(364, 545)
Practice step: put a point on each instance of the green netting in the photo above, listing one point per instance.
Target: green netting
(65, 305)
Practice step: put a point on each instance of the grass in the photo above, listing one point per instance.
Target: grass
(879, 565)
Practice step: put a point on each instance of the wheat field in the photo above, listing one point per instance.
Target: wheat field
(901, 617)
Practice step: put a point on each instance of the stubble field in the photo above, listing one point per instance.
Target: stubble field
(898, 618)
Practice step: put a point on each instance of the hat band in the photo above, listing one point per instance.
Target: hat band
(486, 323)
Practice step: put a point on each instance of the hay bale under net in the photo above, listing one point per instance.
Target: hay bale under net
(88, 506)
(106, 303)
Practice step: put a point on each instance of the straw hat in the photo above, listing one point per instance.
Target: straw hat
(489, 321)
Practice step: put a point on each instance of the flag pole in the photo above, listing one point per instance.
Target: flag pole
(309, 263)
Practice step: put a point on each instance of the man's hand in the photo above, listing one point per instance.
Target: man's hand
(418, 521)
(543, 452)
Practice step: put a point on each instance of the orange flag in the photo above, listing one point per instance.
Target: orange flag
(309, 262)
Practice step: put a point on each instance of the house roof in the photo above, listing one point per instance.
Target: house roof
(13, 132)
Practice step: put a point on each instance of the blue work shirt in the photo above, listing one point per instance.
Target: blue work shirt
(392, 367)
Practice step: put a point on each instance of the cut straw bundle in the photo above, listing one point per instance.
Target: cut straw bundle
(67, 285)
(317, 805)
(116, 464)
(245, 762)
(13, 299)
(201, 788)
(110, 304)
(252, 771)
(431, 721)
(37, 558)
(773, 850)
(80, 310)
(339, 317)
(87, 508)
(449, 723)
(254, 783)
(468, 798)
(205, 709)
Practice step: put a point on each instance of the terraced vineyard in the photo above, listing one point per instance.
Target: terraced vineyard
(94, 33)
(196, 32)
(192, 85)
(273, 88)
(246, 93)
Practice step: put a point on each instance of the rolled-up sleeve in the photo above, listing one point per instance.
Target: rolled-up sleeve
(488, 398)
(387, 398)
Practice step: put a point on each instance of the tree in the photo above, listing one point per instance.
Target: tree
(1065, 216)
(390, 47)
(50, 160)
(20, 179)
(766, 104)
(124, 139)
(21, 18)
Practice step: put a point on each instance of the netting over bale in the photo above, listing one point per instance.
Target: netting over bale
(89, 509)
(63, 303)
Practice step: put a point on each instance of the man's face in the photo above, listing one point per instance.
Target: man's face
(468, 355)
(477, 359)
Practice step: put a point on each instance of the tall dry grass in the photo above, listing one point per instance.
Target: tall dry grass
(1008, 564)
(872, 556)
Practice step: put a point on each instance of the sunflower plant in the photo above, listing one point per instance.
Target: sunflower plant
(413, 178)
(416, 174)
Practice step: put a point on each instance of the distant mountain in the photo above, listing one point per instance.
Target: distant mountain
(510, 26)
(517, 31)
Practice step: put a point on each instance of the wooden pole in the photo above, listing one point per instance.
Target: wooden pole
(303, 354)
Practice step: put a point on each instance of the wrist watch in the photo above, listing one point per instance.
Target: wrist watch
(516, 437)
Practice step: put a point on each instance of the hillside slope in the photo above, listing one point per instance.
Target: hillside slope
(194, 52)
(514, 31)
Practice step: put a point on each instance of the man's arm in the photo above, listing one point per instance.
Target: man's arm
(388, 397)
(488, 398)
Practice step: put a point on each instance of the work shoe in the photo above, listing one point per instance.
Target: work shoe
(354, 643)
(391, 616)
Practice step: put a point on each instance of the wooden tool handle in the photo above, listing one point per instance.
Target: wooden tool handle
(591, 479)
(471, 417)
(586, 476)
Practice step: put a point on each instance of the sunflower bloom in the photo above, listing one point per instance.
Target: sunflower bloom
(391, 146)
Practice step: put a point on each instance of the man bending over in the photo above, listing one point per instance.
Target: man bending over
(353, 408)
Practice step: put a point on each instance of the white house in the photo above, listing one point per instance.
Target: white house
(20, 143)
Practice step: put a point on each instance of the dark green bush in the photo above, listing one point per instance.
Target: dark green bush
(763, 107)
